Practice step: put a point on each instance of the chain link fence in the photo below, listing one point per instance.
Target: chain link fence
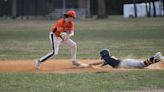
(58, 13)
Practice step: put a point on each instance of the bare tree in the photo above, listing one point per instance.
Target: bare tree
(146, 7)
(48, 6)
(154, 8)
(163, 6)
(135, 8)
(101, 9)
(81, 3)
(149, 14)
(14, 9)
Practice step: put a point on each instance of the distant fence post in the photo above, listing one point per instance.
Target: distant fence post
(57, 13)
(88, 8)
(14, 9)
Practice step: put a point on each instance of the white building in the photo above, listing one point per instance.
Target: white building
(128, 10)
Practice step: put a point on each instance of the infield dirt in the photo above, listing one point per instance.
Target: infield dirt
(60, 66)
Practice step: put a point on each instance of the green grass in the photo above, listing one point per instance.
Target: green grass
(86, 82)
(28, 39)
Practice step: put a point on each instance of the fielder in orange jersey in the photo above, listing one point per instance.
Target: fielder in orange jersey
(61, 33)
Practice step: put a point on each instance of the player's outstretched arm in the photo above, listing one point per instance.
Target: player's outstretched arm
(101, 62)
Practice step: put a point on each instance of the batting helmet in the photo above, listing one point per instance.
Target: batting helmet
(106, 56)
(104, 52)
(71, 13)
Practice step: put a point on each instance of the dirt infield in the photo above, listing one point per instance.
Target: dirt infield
(59, 66)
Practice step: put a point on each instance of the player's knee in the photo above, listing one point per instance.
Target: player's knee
(55, 53)
(74, 45)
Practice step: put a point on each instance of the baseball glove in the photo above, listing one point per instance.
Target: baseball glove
(64, 36)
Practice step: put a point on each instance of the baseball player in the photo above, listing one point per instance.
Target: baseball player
(61, 33)
(108, 59)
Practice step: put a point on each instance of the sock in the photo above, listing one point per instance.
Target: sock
(150, 61)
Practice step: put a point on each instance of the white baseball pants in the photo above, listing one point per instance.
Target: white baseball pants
(132, 63)
(56, 42)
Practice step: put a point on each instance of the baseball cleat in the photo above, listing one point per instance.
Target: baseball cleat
(37, 65)
(158, 56)
(76, 63)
